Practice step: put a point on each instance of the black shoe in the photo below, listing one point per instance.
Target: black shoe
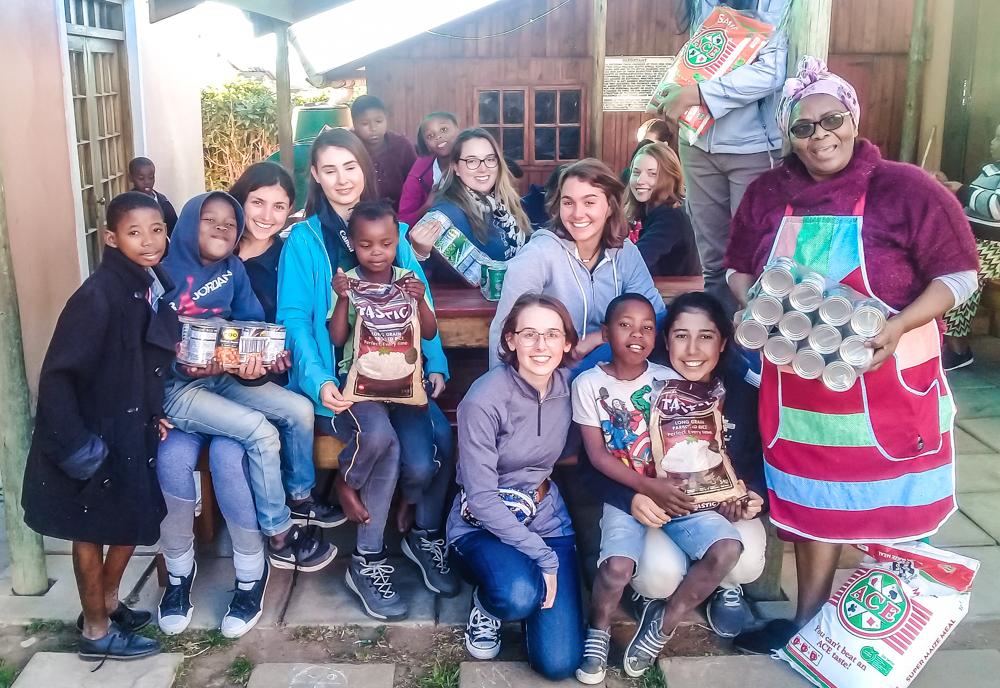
(315, 513)
(301, 552)
(774, 635)
(129, 620)
(246, 608)
(173, 615)
(953, 361)
(117, 644)
(637, 605)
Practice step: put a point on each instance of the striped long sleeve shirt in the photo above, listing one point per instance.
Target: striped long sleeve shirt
(981, 197)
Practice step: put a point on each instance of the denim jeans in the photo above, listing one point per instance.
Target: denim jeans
(390, 443)
(260, 418)
(511, 588)
(176, 461)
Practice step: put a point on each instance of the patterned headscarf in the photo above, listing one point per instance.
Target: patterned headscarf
(813, 77)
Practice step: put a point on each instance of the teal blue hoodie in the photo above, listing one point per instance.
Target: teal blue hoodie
(306, 299)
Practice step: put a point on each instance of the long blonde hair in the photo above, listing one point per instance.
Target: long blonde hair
(669, 187)
(453, 190)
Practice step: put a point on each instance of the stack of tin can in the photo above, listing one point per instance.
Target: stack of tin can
(819, 331)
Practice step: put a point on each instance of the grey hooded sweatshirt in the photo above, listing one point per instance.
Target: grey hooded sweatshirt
(551, 266)
(508, 437)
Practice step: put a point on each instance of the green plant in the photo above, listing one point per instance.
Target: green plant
(7, 674)
(239, 127)
(36, 626)
(441, 675)
(239, 670)
(189, 643)
(653, 678)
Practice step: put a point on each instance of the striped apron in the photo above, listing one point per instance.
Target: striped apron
(874, 463)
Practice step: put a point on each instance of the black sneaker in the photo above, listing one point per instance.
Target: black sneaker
(174, 613)
(246, 607)
(953, 361)
(637, 604)
(302, 552)
(772, 636)
(429, 552)
(129, 620)
(648, 641)
(369, 577)
(727, 612)
(314, 513)
(117, 644)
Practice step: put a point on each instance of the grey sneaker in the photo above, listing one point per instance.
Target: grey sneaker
(637, 604)
(430, 554)
(727, 612)
(368, 578)
(595, 657)
(648, 642)
(482, 633)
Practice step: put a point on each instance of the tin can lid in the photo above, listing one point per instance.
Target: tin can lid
(766, 309)
(854, 352)
(779, 350)
(795, 325)
(806, 297)
(808, 364)
(824, 338)
(751, 334)
(839, 376)
(868, 321)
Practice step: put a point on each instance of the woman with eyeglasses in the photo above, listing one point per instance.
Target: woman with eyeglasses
(874, 462)
(478, 197)
(584, 259)
(509, 530)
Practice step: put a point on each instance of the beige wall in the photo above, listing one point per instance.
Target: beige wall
(171, 82)
(35, 163)
(940, 16)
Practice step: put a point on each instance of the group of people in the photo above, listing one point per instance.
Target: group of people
(580, 341)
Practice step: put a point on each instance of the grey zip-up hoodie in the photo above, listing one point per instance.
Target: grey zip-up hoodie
(550, 265)
(508, 437)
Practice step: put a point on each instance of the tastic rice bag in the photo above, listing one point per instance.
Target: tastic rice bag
(887, 620)
(727, 39)
(387, 363)
(686, 431)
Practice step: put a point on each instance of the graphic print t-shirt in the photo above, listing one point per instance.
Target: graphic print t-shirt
(620, 408)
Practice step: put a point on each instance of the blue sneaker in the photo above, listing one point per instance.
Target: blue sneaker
(727, 612)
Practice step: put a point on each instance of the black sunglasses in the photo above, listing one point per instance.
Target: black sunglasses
(803, 129)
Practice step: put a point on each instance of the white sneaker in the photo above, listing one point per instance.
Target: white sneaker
(482, 634)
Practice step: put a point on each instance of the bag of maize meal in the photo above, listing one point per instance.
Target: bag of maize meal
(886, 621)
(727, 39)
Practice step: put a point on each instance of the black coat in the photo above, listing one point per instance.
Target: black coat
(667, 243)
(103, 375)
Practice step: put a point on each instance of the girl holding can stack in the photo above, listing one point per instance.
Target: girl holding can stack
(873, 462)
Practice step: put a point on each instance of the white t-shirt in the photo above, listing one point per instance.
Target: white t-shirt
(436, 171)
(621, 409)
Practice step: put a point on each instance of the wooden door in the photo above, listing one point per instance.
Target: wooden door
(101, 115)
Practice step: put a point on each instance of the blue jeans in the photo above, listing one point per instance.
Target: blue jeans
(511, 588)
(260, 418)
(386, 443)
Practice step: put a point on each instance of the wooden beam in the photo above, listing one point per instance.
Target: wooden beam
(598, 48)
(808, 31)
(914, 75)
(284, 87)
(27, 556)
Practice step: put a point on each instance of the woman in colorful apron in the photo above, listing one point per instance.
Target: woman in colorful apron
(874, 462)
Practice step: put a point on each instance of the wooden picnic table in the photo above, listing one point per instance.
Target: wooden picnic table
(464, 316)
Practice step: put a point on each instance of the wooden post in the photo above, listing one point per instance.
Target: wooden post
(27, 555)
(914, 75)
(808, 31)
(284, 85)
(598, 48)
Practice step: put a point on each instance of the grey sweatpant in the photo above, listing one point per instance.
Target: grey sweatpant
(715, 186)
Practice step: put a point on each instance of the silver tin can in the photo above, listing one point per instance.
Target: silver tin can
(808, 364)
(795, 326)
(751, 335)
(806, 296)
(779, 350)
(868, 318)
(836, 310)
(824, 338)
(778, 277)
(854, 352)
(765, 309)
(839, 376)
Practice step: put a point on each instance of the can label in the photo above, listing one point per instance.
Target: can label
(197, 343)
(275, 344)
(779, 350)
(751, 335)
(795, 325)
(227, 346)
(461, 254)
(491, 279)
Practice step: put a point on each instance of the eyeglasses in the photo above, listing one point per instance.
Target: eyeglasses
(529, 336)
(803, 129)
(490, 161)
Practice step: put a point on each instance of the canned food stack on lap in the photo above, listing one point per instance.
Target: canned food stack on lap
(819, 331)
(231, 342)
